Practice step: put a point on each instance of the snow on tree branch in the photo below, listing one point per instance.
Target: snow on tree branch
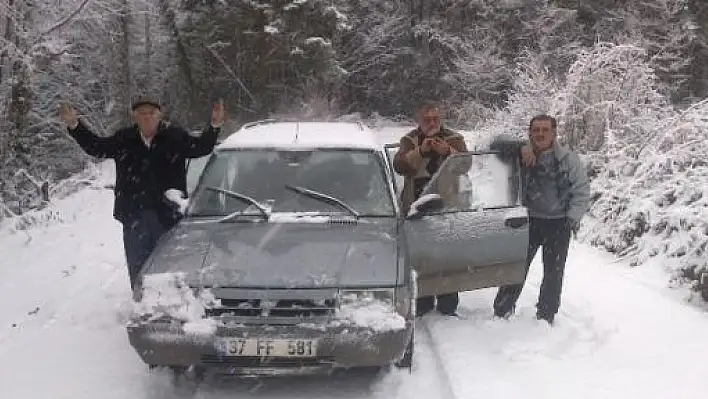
(64, 21)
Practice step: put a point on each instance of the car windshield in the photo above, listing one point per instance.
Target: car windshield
(318, 181)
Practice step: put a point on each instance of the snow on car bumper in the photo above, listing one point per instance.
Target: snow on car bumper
(337, 347)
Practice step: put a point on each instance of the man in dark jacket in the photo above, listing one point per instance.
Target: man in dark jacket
(421, 153)
(556, 193)
(150, 159)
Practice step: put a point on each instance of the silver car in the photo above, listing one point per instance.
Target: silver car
(294, 257)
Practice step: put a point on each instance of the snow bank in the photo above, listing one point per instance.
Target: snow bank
(60, 209)
(651, 202)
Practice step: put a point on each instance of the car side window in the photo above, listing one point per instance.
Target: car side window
(476, 181)
(195, 167)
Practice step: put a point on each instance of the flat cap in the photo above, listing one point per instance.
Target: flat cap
(145, 101)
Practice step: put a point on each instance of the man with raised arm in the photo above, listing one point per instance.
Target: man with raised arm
(150, 159)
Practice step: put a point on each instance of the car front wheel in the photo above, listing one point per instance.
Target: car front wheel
(180, 374)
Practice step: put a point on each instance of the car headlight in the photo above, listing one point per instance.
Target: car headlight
(365, 297)
(169, 296)
(398, 299)
(404, 301)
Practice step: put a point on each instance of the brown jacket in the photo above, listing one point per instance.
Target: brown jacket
(410, 163)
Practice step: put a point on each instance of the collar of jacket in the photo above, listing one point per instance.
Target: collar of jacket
(161, 127)
(560, 151)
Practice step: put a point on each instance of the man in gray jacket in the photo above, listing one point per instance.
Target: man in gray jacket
(556, 193)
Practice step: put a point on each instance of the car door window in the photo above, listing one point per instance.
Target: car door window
(476, 181)
(195, 167)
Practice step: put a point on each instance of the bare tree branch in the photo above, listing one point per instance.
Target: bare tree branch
(232, 73)
(63, 22)
(7, 210)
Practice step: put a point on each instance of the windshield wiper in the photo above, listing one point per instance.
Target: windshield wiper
(324, 198)
(244, 198)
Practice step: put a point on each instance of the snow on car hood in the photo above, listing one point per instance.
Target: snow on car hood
(282, 255)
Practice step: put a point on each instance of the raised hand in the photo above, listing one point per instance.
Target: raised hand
(528, 156)
(426, 146)
(218, 114)
(441, 146)
(67, 113)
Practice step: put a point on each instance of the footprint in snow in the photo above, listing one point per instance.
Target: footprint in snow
(573, 335)
(68, 272)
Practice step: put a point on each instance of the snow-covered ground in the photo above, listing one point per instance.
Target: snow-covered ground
(621, 333)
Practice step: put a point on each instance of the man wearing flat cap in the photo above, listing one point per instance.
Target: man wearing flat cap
(150, 159)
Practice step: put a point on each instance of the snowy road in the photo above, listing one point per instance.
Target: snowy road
(64, 295)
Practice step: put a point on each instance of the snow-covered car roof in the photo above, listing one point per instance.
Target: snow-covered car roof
(302, 135)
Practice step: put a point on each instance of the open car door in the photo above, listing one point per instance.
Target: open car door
(469, 230)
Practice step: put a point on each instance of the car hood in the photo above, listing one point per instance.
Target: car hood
(281, 255)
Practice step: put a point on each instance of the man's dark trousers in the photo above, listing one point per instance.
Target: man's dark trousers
(554, 236)
(140, 235)
(446, 304)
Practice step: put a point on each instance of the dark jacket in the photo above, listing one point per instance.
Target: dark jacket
(417, 168)
(144, 174)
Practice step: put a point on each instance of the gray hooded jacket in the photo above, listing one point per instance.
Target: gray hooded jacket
(556, 187)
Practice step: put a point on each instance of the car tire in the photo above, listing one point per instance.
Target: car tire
(186, 380)
(194, 373)
(407, 359)
(178, 371)
(179, 374)
(702, 287)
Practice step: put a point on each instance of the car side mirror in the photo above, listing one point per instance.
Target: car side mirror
(178, 199)
(426, 204)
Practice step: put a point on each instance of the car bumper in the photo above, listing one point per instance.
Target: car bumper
(165, 344)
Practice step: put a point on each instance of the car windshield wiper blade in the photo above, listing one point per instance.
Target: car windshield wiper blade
(324, 198)
(261, 208)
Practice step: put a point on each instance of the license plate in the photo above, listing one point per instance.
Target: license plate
(266, 347)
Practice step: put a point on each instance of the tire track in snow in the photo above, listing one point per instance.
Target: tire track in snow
(444, 381)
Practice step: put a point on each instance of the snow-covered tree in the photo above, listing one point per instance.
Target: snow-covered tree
(260, 57)
(669, 32)
(611, 98)
(54, 51)
(608, 99)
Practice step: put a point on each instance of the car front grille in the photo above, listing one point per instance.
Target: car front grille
(300, 308)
